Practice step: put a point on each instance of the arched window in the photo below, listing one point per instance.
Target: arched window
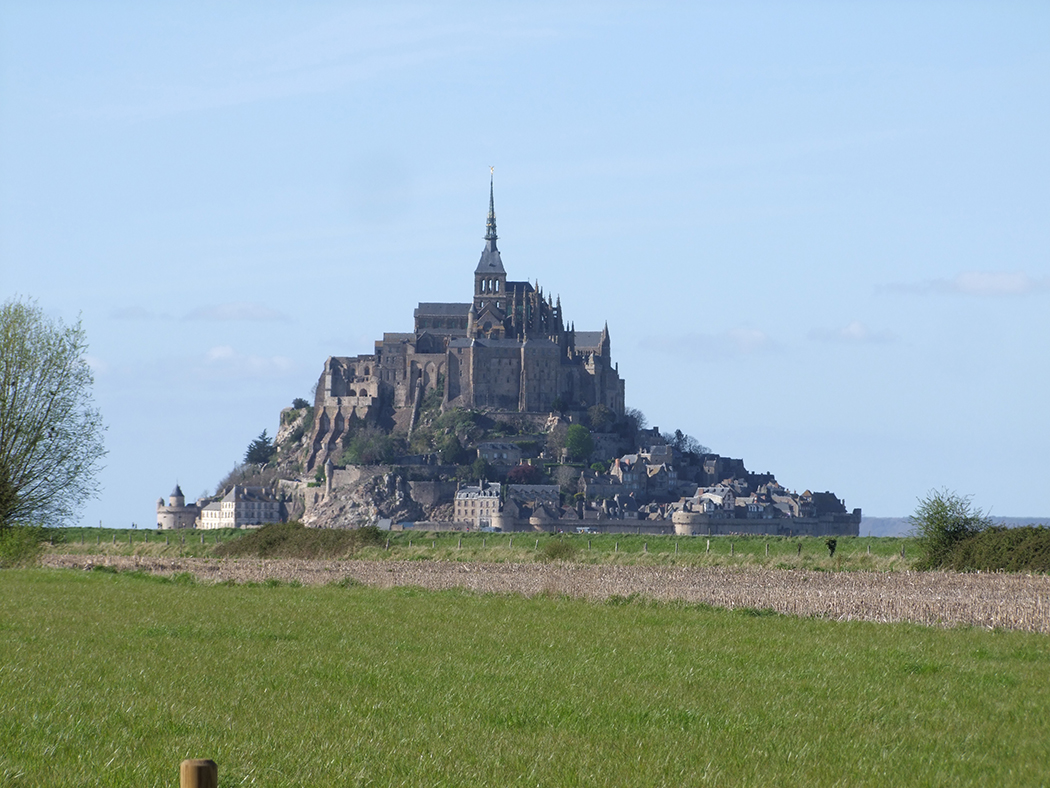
(366, 372)
(497, 285)
(364, 393)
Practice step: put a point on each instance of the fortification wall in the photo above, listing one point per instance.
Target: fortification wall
(697, 524)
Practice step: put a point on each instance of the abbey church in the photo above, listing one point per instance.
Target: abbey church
(509, 349)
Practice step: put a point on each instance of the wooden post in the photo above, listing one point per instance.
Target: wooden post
(676, 548)
(459, 544)
(869, 549)
(767, 549)
(202, 538)
(511, 545)
(387, 544)
(165, 540)
(732, 549)
(800, 549)
(537, 544)
(616, 547)
(114, 538)
(588, 544)
(645, 547)
(709, 545)
(198, 773)
(484, 540)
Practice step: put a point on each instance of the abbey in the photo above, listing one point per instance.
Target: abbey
(508, 349)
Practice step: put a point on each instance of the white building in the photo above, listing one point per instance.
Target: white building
(477, 505)
(242, 507)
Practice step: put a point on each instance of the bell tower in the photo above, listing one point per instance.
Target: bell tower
(490, 278)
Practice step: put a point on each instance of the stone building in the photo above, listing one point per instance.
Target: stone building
(509, 348)
(242, 507)
(477, 505)
(176, 513)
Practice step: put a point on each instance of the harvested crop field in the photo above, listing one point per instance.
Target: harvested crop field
(1007, 601)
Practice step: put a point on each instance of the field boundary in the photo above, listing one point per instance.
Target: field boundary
(999, 600)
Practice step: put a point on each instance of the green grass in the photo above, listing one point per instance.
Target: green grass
(285, 540)
(113, 679)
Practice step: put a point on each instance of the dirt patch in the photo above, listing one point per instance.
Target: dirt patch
(1008, 601)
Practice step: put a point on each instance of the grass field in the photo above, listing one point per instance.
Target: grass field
(112, 680)
(852, 553)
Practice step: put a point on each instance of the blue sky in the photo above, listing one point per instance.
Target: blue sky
(819, 232)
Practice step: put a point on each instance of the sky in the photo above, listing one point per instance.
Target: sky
(819, 232)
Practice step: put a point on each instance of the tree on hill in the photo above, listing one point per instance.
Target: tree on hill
(578, 442)
(685, 444)
(260, 450)
(601, 418)
(525, 474)
(50, 430)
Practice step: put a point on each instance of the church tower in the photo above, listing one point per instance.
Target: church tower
(490, 282)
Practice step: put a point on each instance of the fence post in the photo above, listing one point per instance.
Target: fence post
(645, 547)
(709, 545)
(511, 545)
(198, 773)
(767, 549)
(616, 547)
(459, 544)
(676, 548)
(732, 549)
(387, 544)
(537, 544)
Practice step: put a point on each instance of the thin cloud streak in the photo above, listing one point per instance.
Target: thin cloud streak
(241, 310)
(855, 333)
(991, 284)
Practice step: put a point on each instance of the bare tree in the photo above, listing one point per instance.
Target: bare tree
(50, 430)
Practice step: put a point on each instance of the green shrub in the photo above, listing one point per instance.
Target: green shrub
(942, 520)
(20, 544)
(558, 550)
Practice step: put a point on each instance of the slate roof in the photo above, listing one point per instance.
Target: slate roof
(588, 339)
(442, 310)
(490, 262)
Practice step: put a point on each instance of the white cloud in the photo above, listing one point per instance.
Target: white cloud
(224, 361)
(978, 283)
(854, 333)
(236, 311)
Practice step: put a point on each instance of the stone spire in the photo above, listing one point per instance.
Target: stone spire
(490, 262)
(490, 223)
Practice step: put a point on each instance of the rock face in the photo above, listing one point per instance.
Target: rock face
(361, 496)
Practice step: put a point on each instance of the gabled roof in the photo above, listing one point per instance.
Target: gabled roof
(441, 310)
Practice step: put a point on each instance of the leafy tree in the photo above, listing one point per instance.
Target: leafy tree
(481, 469)
(299, 403)
(260, 450)
(601, 418)
(685, 444)
(831, 543)
(941, 522)
(370, 446)
(50, 431)
(579, 442)
(525, 474)
(599, 467)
